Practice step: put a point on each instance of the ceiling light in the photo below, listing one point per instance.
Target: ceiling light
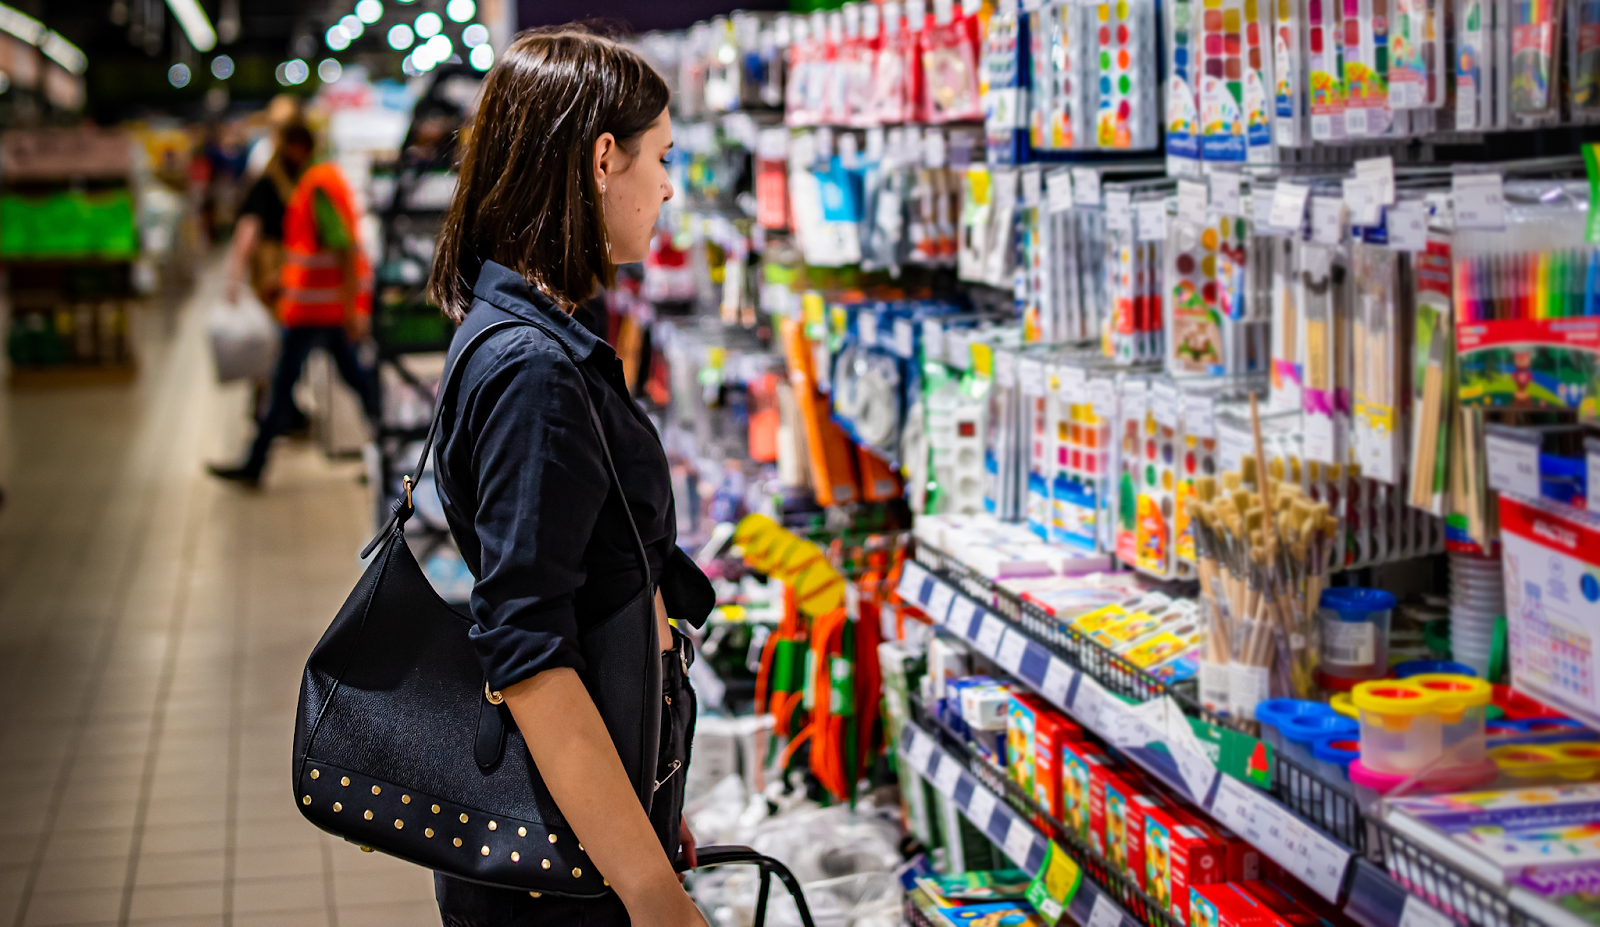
(294, 72)
(422, 57)
(482, 57)
(475, 35)
(400, 37)
(21, 25)
(222, 67)
(329, 70)
(178, 75)
(336, 38)
(439, 49)
(195, 25)
(460, 10)
(429, 24)
(352, 27)
(369, 11)
(64, 53)
(409, 67)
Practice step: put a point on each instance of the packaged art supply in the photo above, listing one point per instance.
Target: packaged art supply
(1184, 35)
(1177, 855)
(1552, 602)
(1081, 762)
(1325, 69)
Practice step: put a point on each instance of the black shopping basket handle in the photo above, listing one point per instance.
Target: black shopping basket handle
(723, 856)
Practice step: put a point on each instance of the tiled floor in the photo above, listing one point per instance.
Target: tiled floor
(152, 629)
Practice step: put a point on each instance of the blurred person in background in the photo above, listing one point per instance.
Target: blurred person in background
(325, 292)
(256, 251)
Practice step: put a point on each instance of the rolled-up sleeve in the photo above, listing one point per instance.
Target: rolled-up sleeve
(541, 482)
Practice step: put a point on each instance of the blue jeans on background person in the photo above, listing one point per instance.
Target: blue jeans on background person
(296, 347)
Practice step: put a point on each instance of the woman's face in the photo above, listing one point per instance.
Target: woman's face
(633, 189)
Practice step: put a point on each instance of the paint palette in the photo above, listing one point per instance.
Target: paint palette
(1125, 98)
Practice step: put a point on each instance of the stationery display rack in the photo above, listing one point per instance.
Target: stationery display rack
(1302, 822)
(410, 197)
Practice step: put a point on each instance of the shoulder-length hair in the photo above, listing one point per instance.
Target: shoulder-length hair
(526, 195)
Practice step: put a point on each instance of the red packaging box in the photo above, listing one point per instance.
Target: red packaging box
(1283, 905)
(1216, 904)
(1051, 733)
(1243, 862)
(1088, 812)
(1124, 799)
(1178, 855)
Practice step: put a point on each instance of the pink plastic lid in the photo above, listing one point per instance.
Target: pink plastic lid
(1450, 779)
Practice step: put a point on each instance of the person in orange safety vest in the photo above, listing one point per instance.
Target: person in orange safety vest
(326, 302)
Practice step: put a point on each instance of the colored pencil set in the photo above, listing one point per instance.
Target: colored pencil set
(1528, 285)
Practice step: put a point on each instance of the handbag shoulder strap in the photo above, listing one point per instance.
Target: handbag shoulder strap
(403, 508)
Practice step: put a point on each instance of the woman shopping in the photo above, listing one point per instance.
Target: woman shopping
(554, 482)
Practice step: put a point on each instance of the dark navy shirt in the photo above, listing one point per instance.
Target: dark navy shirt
(524, 484)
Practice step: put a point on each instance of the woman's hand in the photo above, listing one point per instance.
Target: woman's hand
(686, 848)
(669, 907)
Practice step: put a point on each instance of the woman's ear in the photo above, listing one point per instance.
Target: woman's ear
(605, 155)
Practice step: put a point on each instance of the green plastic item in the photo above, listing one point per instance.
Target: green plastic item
(69, 224)
(1497, 650)
(1436, 635)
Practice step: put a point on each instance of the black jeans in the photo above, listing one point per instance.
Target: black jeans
(468, 904)
(297, 345)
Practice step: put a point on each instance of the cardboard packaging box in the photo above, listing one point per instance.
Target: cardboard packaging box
(1079, 760)
(1178, 855)
(1051, 733)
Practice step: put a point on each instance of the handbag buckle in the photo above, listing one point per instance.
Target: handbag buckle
(407, 481)
(493, 695)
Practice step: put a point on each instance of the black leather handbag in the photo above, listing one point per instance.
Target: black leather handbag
(400, 746)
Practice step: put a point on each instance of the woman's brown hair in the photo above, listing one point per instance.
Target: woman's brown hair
(526, 196)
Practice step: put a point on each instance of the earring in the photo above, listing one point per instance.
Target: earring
(602, 188)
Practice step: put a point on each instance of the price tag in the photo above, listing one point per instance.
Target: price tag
(1362, 198)
(981, 807)
(933, 340)
(1199, 418)
(1074, 384)
(1119, 211)
(1086, 186)
(867, 328)
(1289, 205)
(918, 750)
(989, 633)
(1379, 173)
(938, 606)
(1261, 200)
(1152, 220)
(1225, 195)
(1105, 912)
(1058, 191)
(961, 612)
(1193, 764)
(947, 775)
(1513, 465)
(1164, 403)
(905, 338)
(1103, 393)
(1089, 704)
(1003, 189)
(1019, 840)
(911, 579)
(1012, 646)
(1327, 220)
(1031, 376)
(1235, 809)
(1313, 858)
(1479, 200)
(1057, 683)
(1418, 913)
(1032, 183)
(1407, 224)
(1193, 197)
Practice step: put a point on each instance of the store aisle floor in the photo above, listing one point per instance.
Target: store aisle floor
(153, 625)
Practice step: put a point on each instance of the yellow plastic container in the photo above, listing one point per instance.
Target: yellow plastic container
(1400, 725)
(1462, 702)
(1578, 761)
(1340, 702)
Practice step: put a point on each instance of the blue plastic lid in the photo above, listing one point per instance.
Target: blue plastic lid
(1504, 728)
(1355, 603)
(1342, 749)
(1307, 728)
(1421, 667)
(1278, 711)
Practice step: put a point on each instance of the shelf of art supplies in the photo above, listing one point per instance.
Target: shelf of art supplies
(1313, 830)
(1000, 816)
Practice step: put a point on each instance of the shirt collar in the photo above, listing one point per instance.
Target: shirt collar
(504, 288)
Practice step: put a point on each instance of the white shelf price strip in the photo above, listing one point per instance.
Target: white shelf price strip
(1273, 829)
(1015, 836)
(1292, 844)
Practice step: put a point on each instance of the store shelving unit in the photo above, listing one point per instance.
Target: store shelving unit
(70, 278)
(410, 197)
(999, 810)
(1312, 828)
